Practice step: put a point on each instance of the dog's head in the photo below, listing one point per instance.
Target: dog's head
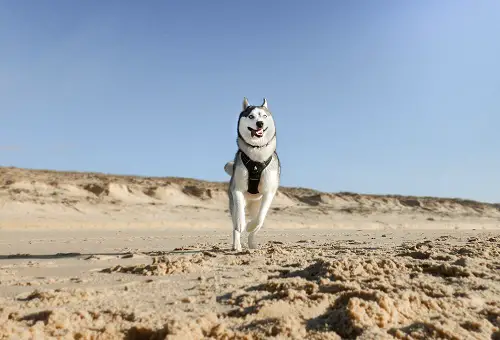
(256, 124)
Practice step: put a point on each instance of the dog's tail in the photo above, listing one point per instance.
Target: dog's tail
(228, 168)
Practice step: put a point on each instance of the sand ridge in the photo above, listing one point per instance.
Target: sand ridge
(43, 198)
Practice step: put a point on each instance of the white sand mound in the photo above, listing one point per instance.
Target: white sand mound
(172, 194)
(73, 191)
(128, 194)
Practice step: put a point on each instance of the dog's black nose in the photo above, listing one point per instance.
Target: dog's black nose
(260, 124)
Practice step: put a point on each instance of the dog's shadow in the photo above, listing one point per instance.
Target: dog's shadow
(214, 252)
(56, 256)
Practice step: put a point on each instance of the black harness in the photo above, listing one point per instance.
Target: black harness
(254, 171)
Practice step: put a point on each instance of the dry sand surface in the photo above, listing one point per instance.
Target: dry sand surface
(94, 256)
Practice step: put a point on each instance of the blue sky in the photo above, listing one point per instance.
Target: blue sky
(398, 97)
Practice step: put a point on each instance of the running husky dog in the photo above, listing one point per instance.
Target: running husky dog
(255, 172)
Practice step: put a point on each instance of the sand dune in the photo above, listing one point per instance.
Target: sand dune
(95, 256)
(49, 198)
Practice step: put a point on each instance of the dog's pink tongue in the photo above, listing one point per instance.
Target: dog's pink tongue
(259, 132)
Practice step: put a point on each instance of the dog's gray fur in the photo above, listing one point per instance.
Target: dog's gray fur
(258, 149)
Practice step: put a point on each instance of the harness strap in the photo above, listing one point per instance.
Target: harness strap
(254, 171)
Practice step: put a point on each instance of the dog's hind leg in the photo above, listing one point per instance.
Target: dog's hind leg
(252, 242)
(253, 212)
(257, 222)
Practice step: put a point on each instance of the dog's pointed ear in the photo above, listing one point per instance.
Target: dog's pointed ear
(245, 103)
(264, 104)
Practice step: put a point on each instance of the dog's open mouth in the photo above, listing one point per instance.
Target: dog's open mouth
(257, 133)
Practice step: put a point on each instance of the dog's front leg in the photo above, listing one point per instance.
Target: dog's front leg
(255, 225)
(238, 218)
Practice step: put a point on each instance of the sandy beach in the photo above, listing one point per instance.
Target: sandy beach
(96, 256)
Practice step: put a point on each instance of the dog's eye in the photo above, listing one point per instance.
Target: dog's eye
(251, 116)
(265, 116)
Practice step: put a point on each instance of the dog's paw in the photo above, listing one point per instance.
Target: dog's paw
(252, 226)
(253, 245)
(252, 242)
